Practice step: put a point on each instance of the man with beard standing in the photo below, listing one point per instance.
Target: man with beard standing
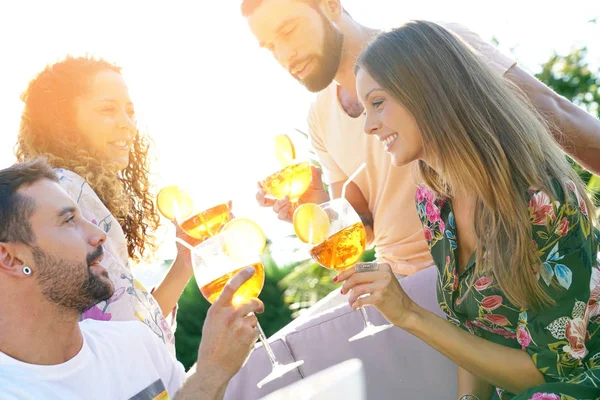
(51, 272)
(318, 42)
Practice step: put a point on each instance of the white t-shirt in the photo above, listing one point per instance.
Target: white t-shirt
(118, 360)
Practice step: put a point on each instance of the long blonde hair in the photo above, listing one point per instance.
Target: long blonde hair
(48, 130)
(485, 136)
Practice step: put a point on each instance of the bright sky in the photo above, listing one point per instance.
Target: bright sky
(210, 98)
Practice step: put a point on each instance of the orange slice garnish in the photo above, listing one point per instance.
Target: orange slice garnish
(311, 223)
(285, 152)
(173, 202)
(243, 239)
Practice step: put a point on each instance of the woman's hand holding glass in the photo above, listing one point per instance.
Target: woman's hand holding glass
(381, 290)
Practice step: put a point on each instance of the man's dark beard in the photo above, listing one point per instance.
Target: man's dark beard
(329, 62)
(71, 286)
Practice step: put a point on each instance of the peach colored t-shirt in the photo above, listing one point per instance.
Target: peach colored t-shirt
(341, 146)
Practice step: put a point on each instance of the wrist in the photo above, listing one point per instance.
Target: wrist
(183, 261)
(413, 319)
(213, 376)
(199, 386)
(323, 197)
(317, 196)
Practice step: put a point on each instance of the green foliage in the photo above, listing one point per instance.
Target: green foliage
(571, 77)
(309, 282)
(190, 319)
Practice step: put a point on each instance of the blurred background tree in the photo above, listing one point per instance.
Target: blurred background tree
(571, 76)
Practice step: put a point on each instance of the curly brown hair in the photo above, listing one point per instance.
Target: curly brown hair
(48, 129)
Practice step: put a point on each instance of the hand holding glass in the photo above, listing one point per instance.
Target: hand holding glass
(343, 247)
(215, 262)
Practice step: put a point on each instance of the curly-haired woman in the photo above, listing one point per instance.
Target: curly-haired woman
(78, 114)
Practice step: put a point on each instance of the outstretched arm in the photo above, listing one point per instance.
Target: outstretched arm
(576, 130)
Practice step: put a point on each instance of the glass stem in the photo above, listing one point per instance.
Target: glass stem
(365, 317)
(268, 349)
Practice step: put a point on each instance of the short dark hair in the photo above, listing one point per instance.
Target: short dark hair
(16, 209)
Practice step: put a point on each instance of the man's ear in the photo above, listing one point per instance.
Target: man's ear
(332, 9)
(10, 263)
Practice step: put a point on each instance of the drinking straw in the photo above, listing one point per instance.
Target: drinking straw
(362, 166)
(185, 244)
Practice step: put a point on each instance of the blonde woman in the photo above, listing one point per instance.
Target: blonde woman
(507, 221)
(78, 115)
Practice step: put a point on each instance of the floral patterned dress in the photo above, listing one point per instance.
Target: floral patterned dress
(562, 341)
(130, 301)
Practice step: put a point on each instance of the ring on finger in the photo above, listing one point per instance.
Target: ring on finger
(366, 267)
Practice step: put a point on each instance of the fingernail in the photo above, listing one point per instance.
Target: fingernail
(335, 279)
(342, 291)
(249, 270)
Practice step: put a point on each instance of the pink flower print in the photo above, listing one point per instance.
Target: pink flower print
(428, 234)
(428, 194)
(442, 226)
(545, 396)
(469, 326)
(497, 319)
(483, 283)
(540, 208)
(167, 330)
(593, 307)
(563, 227)
(580, 201)
(523, 336)
(96, 314)
(576, 334)
(436, 216)
(421, 194)
(455, 282)
(116, 295)
(583, 207)
(498, 331)
(432, 212)
(490, 303)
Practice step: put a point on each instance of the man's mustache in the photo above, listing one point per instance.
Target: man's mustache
(95, 255)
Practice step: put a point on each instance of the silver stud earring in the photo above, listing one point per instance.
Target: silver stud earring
(26, 270)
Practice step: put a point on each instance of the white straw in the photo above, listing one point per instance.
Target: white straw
(186, 244)
(362, 166)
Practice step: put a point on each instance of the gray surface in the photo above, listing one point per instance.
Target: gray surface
(397, 364)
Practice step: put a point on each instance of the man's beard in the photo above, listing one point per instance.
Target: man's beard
(329, 62)
(69, 285)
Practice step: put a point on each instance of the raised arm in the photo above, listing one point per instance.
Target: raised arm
(576, 130)
(228, 336)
